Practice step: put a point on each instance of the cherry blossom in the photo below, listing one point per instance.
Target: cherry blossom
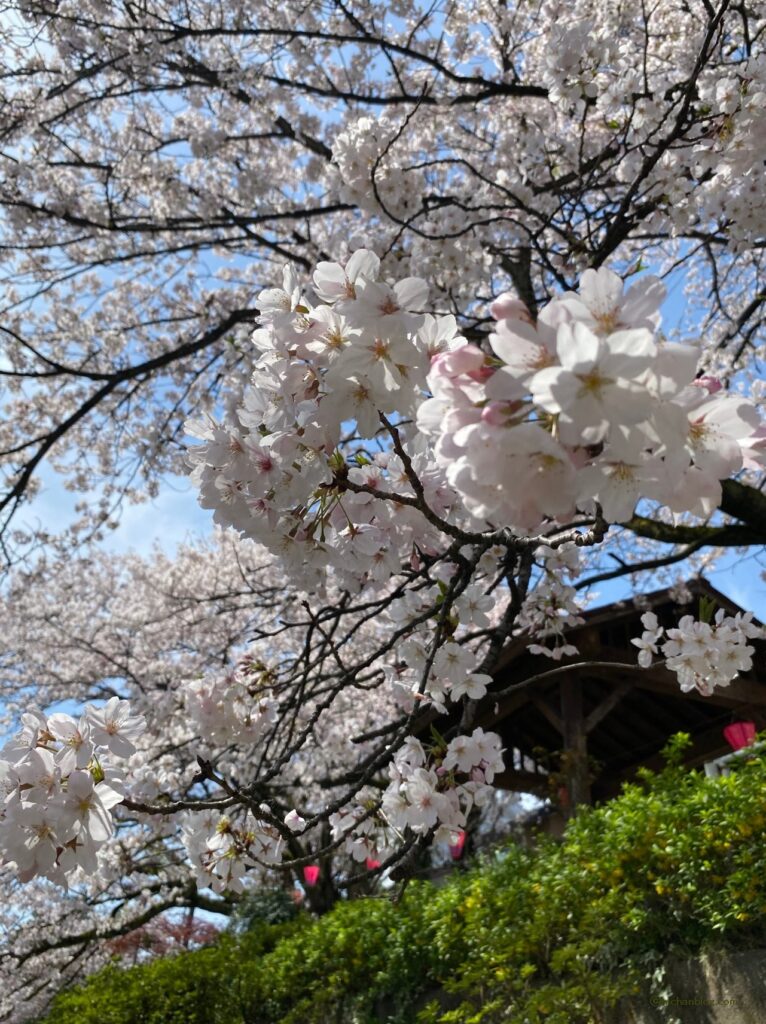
(426, 385)
(113, 726)
(703, 655)
(60, 792)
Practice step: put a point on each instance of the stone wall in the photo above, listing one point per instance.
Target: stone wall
(717, 988)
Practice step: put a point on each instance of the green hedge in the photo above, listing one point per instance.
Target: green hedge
(551, 935)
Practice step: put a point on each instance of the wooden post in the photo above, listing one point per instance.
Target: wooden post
(575, 744)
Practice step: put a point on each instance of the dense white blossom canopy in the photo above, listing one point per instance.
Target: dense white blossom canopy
(390, 283)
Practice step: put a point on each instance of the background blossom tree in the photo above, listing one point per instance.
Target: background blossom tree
(394, 279)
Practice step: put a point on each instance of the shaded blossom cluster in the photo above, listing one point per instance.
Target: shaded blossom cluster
(222, 848)
(704, 655)
(431, 792)
(325, 370)
(233, 707)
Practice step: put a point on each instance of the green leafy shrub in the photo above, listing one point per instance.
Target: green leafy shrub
(554, 935)
(272, 906)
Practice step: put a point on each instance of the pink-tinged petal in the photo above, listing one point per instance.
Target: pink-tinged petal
(371, 296)
(430, 415)
(754, 449)
(517, 344)
(330, 278)
(62, 726)
(507, 307)
(728, 414)
(711, 384)
(618, 496)
(327, 271)
(693, 491)
(504, 385)
(674, 368)
(719, 456)
(590, 427)
(120, 746)
(550, 319)
(554, 388)
(628, 353)
(99, 826)
(465, 359)
(274, 298)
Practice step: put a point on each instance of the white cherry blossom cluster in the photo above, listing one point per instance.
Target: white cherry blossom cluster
(450, 672)
(583, 405)
(703, 655)
(436, 788)
(60, 788)
(471, 609)
(359, 153)
(727, 159)
(551, 608)
(232, 707)
(328, 369)
(431, 790)
(365, 833)
(222, 848)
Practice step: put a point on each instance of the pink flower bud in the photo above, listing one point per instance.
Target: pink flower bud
(711, 384)
(482, 374)
(462, 360)
(508, 307)
(495, 414)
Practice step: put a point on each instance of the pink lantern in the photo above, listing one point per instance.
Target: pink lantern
(311, 874)
(740, 734)
(456, 847)
(372, 864)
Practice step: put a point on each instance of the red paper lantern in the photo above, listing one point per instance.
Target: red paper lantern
(311, 874)
(456, 847)
(740, 734)
(372, 864)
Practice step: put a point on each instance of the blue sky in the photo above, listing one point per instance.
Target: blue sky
(168, 520)
(737, 576)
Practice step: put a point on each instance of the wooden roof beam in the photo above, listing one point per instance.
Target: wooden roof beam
(661, 680)
(607, 704)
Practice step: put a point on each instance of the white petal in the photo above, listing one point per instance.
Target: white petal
(577, 347)
(411, 293)
(363, 264)
(601, 290)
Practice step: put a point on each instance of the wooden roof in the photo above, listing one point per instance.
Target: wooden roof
(628, 713)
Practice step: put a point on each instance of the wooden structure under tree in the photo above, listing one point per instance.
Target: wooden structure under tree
(590, 721)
